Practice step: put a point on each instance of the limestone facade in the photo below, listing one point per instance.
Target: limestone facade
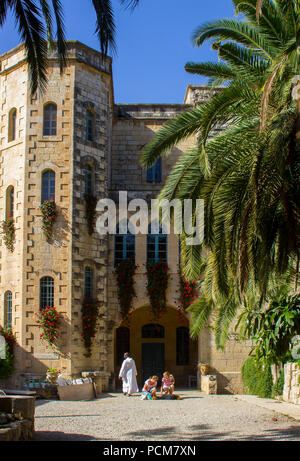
(291, 389)
(112, 154)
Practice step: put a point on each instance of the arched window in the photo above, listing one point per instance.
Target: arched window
(48, 185)
(50, 119)
(9, 212)
(124, 246)
(157, 246)
(88, 282)
(154, 172)
(182, 346)
(8, 309)
(122, 343)
(90, 125)
(153, 330)
(88, 180)
(46, 292)
(12, 124)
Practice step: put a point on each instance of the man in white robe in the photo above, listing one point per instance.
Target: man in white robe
(128, 375)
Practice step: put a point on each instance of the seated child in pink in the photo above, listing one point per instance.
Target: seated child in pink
(167, 383)
(149, 389)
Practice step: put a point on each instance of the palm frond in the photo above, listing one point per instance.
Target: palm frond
(236, 31)
(201, 311)
(32, 32)
(130, 3)
(105, 25)
(4, 6)
(183, 126)
(60, 32)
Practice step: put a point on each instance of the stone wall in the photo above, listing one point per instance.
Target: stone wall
(85, 83)
(13, 94)
(134, 126)
(227, 363)
(93, 92)
(291, 390)
(21, 410)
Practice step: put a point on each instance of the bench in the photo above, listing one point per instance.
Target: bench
(18, 392)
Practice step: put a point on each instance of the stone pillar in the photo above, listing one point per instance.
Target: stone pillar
(100, 380)
(291, 390)
(209, 384)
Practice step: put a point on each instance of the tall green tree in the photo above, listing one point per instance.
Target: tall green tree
(248, 174)
(35, 20)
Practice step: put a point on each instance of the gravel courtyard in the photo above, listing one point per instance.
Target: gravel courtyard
(197, 417)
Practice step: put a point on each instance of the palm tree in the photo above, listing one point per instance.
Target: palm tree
(248, 175)
(34, 19)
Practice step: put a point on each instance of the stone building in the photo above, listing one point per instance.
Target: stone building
(71, 141)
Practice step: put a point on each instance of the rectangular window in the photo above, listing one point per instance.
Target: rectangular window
(154, 172)
(46, 292)
(48, 185)
(8, 310)
(88, 282)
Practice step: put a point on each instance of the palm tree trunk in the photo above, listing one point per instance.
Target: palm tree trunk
(297, 273)
(296, 96)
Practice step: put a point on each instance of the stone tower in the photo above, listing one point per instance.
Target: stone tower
(64, 148)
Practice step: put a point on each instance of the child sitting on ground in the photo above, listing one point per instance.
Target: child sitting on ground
(149, 389)
(167, 383)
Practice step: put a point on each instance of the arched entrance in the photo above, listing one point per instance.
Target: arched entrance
(157, 346)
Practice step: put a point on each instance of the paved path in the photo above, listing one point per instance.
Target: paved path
(196, 417)
(284, 408)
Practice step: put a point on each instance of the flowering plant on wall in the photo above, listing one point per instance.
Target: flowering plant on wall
(187, 295)
(7, 362)
(157, 283)
(90, 314)
(125, 271)
(9, 338)
(49, 323)
(49, 215)
(90, 212)
(9, 233)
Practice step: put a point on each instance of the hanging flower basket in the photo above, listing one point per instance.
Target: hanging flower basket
(90, 212)
(49, 215)
(204, 368)
(125, 280)
(9, 233)
(49, 323)
(9, 338)
(52, 375)
(187, 295)
(158, 277)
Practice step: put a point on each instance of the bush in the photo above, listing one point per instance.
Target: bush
(257, 378)
(278, 386)
(7, 365)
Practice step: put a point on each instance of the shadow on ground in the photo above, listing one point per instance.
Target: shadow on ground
(194, 433)
(204, 432)
(63, 436)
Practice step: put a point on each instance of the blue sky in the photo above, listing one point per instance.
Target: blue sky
(153, 41)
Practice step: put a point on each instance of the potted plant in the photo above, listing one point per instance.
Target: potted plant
(52, 375)
(204, 368)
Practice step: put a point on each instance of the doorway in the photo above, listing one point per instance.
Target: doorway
(153, 360)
